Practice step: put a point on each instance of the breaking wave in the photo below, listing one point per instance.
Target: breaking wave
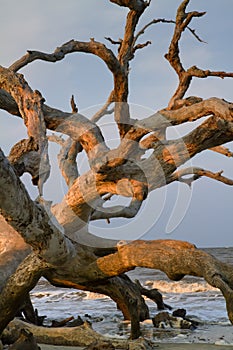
(181, 286)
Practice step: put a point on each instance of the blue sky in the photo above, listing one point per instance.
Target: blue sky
(202, 215)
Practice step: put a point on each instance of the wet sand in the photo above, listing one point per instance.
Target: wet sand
(197, 346)
(214, 338)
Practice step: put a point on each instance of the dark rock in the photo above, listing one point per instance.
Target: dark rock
(159, 318)
(75, 323)
(179, 313)
(182, 313)
(166, 320)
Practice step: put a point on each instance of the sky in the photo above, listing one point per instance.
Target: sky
(201, 215)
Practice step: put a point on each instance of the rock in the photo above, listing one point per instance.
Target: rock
(182, 313)
(179, 313)
(75, 323)
(222, 342)
(165, 320)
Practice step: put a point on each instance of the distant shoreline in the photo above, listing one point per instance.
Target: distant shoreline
(216, 337)
(162, 346)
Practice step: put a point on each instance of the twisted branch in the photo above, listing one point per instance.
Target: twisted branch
(180, 175)
(30, 106)
(67, 158)
(92, 47)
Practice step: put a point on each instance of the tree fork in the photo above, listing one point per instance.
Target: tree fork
(120, 289)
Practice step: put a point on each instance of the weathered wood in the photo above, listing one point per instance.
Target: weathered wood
(55, 241)
(71, 336)
(154, 295)
(26, 341)
(82, 335)
(18, 286)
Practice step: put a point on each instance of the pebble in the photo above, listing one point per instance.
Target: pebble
(181, 335)
(221, 342)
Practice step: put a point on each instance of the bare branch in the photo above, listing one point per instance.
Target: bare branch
(200, 73)
(154, 295)
(126, 49)
(67, 157)
(71, 46)
(78, 127)
(153, 139)
(179, 151)
(30, 105)
(175, 152)
(125, 54)
(67, 160)
(179, 175)
(141, 46)
(73, 105)
(82, 130)
(222, 150)
(193, 31)
(114, 42)
(136, 5)
(8, 104)
(57, 139)
(117, 211)
(154, 21)
(104, 110)
(189, 110)
(24, 157)
(163, 20)
(88, 188)
(175, 258)
(185, 76)
(182, 21)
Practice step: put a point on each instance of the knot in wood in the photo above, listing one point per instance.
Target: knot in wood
(121, 244)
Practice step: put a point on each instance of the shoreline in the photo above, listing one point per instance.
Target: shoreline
(213, 338)
(162, 346)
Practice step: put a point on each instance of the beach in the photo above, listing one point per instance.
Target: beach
(202, 302)
(157, 346)
(214, 338)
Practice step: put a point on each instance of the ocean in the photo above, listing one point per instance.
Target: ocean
(201, 301)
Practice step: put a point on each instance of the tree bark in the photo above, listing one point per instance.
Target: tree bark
(70, 336)
(38, 239)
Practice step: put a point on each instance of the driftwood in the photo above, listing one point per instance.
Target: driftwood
(82, 335)
(154, 295)
(26, 341)
(40, 239)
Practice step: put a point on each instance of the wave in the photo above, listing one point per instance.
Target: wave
(164, 287)
(180, 287)
(61, 295)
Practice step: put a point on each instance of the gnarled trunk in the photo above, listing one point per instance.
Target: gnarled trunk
(38, 239)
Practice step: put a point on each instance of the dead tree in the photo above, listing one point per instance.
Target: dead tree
(38, 239)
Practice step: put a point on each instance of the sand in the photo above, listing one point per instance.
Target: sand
(214, 338)
(163, 346)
